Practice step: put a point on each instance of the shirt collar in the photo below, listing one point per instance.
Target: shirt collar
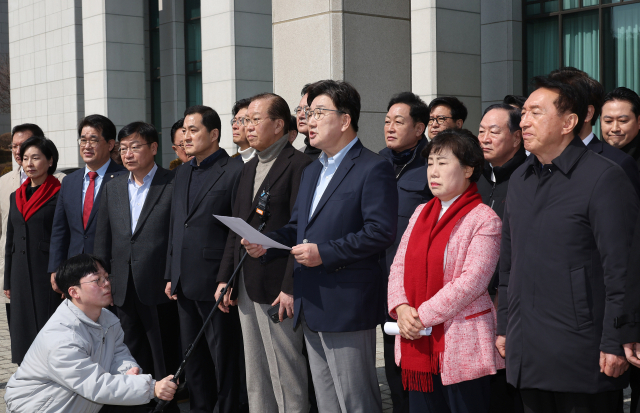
(206, 162)
(101, 171)
(338, 157)
(588, 139)
(148, 177)
(565, 161)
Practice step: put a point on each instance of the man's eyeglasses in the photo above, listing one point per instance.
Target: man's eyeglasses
(439, 120)
(239, 122)
(13, 147)
(299, 109)
(133, 148)
(319, 113)
(93, 142)
(100, 282)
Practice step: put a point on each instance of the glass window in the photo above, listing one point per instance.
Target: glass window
(542, 47)
(193, 52)
(581, 42)
(621, 29)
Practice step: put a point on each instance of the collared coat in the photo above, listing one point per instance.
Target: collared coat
(565, 246)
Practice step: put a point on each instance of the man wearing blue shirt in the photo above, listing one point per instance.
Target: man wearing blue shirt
(133, 242)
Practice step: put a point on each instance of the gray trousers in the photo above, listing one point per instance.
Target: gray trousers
(343, 367)
(276, 368)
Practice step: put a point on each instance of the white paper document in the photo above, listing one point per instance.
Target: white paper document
(393, 330)
(246, 231)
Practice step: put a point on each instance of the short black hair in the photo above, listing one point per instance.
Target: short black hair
(344, 96)
(463, 144)
(590, 87)
(239, 105)
(418, 109)
(145, 130)
(210, 118)
(178, 125)
(514, 100)
(100, 123)
(515, 115)
(626, 94)
(293, 124)
(458, 109)
(31, 127)
(46, 146)
(570, 98)
(70, 272)
(305, 88)
(278, 108)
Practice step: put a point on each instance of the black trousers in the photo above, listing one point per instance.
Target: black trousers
(634, 381)
(544, 401)
(470, 396)
(213, 370)
(399, 396)
(152, 334)
(504, 397)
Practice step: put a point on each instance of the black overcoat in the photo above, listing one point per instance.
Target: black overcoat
(33, 300)
(566, 240)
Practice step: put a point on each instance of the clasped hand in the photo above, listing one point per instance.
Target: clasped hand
(409, 322)
(164, 389)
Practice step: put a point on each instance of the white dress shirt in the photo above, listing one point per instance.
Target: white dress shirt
(138, 194)
(445, 206)
(588, 139)
(23, 176)
(98, 181)
(330, 165)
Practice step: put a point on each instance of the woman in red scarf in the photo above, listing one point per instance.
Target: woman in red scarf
(26, 280)
(439, 279)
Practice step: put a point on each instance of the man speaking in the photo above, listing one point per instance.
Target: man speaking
(343, 219)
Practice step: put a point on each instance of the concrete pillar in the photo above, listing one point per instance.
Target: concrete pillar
(5, 118)
(236, 56)
(45, 48)
(501, 26)
(114, 63)
(364, 42)
(172, 71)
(445, 48)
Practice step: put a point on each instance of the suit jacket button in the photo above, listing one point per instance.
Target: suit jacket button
(24, 238)
(86, 237)
(23, 252)
(186, 225)
(133, 242)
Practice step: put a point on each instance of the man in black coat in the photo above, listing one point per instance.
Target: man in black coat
(620, 122)
(74, 224)
(565, 246)
(274, 383)
(203, 187)
(404, 130)
(133, 224)
(500, 137)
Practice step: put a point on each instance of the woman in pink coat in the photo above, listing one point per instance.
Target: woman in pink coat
(439, 279)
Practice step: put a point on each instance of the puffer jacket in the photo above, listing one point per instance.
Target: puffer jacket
(77, 365)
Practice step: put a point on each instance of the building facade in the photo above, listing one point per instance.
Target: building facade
(150, 59)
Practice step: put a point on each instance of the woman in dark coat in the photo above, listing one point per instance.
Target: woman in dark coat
(26, 280)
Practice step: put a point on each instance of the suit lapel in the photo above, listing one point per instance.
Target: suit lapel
(122, 204)
(213, 175)
(315, 168)
(245, 192)
(277, 169)
(158, 184)
(76, 197)
(596, 145)
(108, 175)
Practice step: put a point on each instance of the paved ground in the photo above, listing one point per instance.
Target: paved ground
(7, 368)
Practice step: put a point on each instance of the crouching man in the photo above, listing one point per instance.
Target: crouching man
(78, 362)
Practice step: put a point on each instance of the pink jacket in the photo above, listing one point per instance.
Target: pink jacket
(463, 303)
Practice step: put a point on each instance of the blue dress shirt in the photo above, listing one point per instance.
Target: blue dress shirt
(330, 165)
(98, 182)
(138, 194)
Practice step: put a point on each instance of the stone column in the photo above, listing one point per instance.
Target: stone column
(5, 118)
(45, 48)
(501, 50)
(364, 42)
(236, 56)
(445, 47)
(114, 59)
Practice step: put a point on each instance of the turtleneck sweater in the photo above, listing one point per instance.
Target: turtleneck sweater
(266, 159)
(247, 154)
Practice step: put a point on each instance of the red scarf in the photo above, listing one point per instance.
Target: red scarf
(49, 188)
(423, 278)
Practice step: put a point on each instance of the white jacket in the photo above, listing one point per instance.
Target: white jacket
(77, 365)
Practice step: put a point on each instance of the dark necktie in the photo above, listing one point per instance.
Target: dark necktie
(88, 198)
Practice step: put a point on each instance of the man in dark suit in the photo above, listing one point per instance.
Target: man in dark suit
(595, 98)
(74, 223)
(404, 130)
(131, 241)
(274, 383)
(620, 122)
(203, 187)
(344, 219)
(563, 262)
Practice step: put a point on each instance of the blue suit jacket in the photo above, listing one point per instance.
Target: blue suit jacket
(68, 236)
(353, 224)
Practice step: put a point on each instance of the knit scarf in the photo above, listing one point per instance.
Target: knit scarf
(44, 193)
(423, 278)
